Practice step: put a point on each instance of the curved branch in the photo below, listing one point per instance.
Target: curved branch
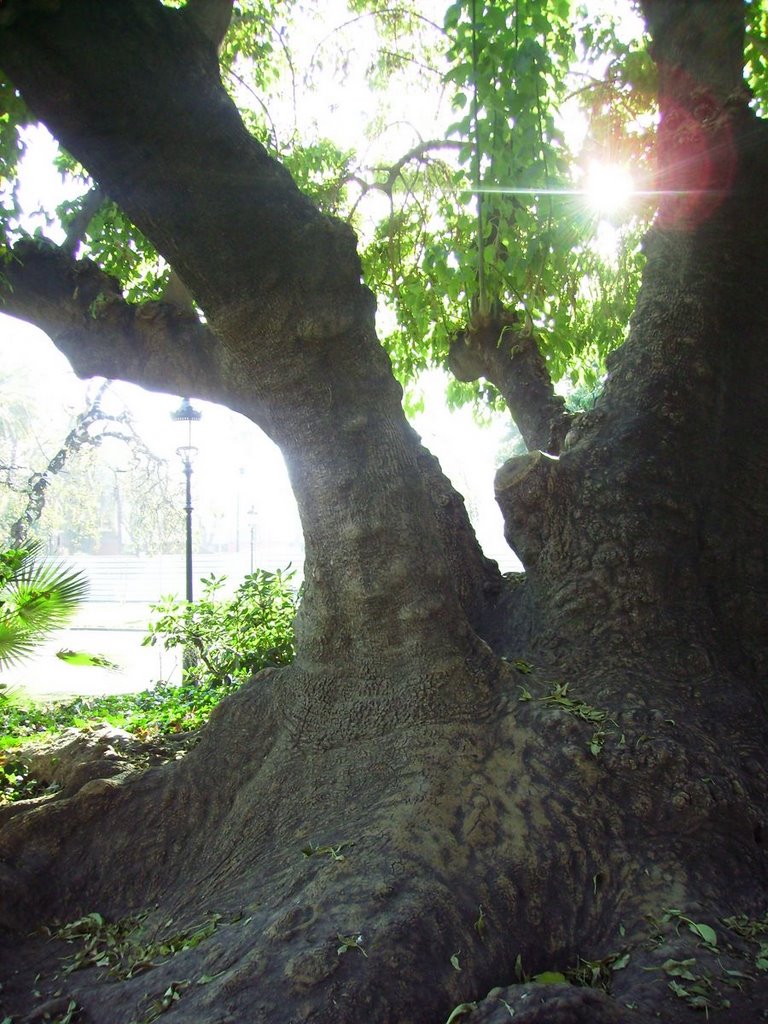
(393, 171)
(38, 483)
(498, 348)
(371, 14)
(79, 225)
(81, 308)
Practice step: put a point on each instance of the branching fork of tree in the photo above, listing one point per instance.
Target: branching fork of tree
(601, 817)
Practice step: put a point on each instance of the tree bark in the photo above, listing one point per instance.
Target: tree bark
(598, 796)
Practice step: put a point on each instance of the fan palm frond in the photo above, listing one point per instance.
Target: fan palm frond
(36, 599)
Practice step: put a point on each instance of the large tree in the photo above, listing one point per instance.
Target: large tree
(464, 825)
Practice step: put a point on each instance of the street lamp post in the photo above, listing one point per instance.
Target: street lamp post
(189, 415)
(252, 514)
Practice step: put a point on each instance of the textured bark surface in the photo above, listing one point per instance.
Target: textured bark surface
(586, 787)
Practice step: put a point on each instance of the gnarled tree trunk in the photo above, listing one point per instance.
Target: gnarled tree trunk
(487, 824)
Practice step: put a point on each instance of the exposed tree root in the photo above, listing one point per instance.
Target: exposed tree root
(387, 877)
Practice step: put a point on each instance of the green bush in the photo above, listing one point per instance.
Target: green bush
(230, 639)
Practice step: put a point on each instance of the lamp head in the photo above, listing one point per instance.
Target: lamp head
(186, 413)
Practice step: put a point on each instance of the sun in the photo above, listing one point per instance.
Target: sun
(608, 187)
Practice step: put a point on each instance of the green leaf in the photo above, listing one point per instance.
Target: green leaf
(84, 658)
(709, 935)
(206, 979)
(680, 991)
(680, 969)
(36, 599)
(519, 973)
(460, 1011)
(550, 978)
(350, 942)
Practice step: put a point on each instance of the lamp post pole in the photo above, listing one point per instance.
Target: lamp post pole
(189, 415)
(252, 529)
(187, 461)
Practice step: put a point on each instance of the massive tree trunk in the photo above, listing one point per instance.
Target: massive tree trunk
(608, 805)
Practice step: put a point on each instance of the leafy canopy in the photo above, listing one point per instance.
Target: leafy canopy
(461, 169)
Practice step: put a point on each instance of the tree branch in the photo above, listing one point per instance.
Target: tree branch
(212, 17)
(417, 153)
(81, 308)
(81, 220)
(498, 348)
(393, 171)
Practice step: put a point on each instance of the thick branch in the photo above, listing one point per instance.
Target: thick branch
(498, 348)
(698, 47)
(419, 152)
(280, 286)
(154, 344)
(212, 17)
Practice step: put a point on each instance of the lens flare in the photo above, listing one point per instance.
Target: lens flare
(608, 187)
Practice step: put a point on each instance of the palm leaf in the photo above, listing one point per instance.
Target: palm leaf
(36, 599)
(15, 645)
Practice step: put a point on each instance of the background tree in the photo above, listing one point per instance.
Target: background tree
(56, 477)
(462, 781)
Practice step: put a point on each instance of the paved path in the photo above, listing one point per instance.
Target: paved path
(114, 630)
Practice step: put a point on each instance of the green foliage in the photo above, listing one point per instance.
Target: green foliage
(756, 53)
(321, 170)
(119, 248)
(13, 117)
(231, 639)
(123, 947)
(349, 943)
(162, 710)
(36, 599)
(509, 64)
(485, 218)
(754, 930)
(253, 45)
(85, 658)
(15, 781)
